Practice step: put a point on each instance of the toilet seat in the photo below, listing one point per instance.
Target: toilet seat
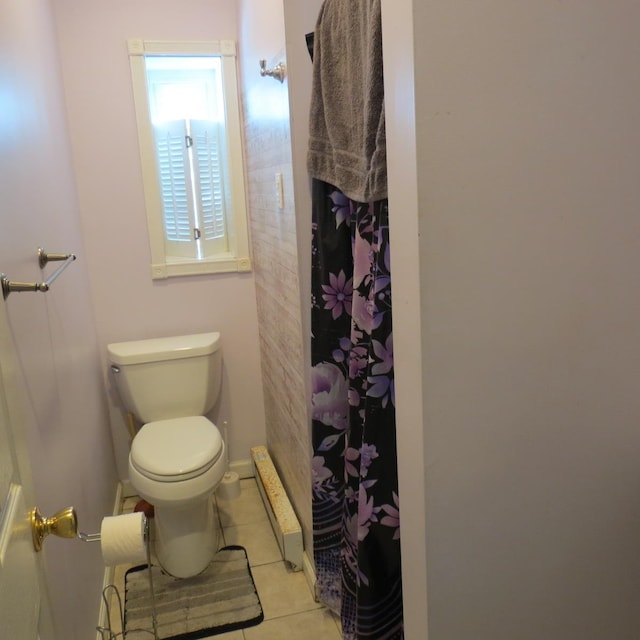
(176, 449)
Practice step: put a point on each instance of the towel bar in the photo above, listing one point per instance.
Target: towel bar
(8, 286)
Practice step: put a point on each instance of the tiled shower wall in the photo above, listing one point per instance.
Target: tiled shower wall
(275, 263)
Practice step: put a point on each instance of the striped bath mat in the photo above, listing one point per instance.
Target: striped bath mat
(222, 598)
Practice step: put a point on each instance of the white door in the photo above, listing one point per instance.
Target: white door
(20, 591)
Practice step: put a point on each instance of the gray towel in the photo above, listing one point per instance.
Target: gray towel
(346, 125)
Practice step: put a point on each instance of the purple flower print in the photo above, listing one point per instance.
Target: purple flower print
(384, 354)
(337, 294)
(329, 395)
(369, 453)
(367, 513)
(350, 456)
(357, 361)
(349, 553)
(354, 501)
(341, 207)
(365, 313)
(382, 290)
(340, 355)
(381, 387)
(392, 519)
(331, 441)
(319, 472)
(362, 260)
(387, 257)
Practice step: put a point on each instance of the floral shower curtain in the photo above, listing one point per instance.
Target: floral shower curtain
(355, 490)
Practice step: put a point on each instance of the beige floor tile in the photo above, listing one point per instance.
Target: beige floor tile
(310, 625)
(282, 591)
(258, 539)
(246, 509)
(232, 635)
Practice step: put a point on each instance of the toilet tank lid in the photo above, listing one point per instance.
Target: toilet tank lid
(156, 349)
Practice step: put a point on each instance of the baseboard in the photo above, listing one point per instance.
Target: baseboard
(127, 489)
(108, 571)
(286, 526)
(244, 468)
(310, 574)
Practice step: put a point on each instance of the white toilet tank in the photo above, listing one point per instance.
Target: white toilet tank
(166, 378)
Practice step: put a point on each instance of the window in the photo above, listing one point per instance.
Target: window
(186, 100)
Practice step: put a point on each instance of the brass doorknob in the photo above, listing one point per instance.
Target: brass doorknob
(63, 524)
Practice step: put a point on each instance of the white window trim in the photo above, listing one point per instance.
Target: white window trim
(238, 258)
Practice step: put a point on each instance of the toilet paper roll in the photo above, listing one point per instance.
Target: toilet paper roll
(229, 488)
(123, 539)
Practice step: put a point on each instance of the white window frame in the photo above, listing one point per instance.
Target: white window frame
(162, 264)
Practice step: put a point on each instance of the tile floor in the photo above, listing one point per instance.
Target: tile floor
(289, 608)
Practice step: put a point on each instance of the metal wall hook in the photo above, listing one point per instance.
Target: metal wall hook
(278, 72)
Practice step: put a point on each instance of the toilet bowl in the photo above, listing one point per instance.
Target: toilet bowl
(177, 458)
(176, 465)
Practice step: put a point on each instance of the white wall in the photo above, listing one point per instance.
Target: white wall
(128, 304)
(527, 210)
(51, 366)
(300, 19)
(407, 259)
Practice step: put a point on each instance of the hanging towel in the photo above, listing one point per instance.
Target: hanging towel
(346, 126)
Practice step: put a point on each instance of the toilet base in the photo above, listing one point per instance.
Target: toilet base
(185, 537)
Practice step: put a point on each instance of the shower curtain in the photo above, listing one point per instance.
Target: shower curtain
(355, 490)
(356, 518)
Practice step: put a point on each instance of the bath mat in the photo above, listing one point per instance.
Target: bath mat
(221, 599)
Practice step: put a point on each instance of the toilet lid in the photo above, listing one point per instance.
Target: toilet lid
(176, 449)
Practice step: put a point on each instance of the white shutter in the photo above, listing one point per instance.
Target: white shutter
(209, 159)
(175, 180)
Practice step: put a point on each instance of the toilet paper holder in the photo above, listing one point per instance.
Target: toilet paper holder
(89, 537)
(64, 524)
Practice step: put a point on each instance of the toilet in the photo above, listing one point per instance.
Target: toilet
(177, 458)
